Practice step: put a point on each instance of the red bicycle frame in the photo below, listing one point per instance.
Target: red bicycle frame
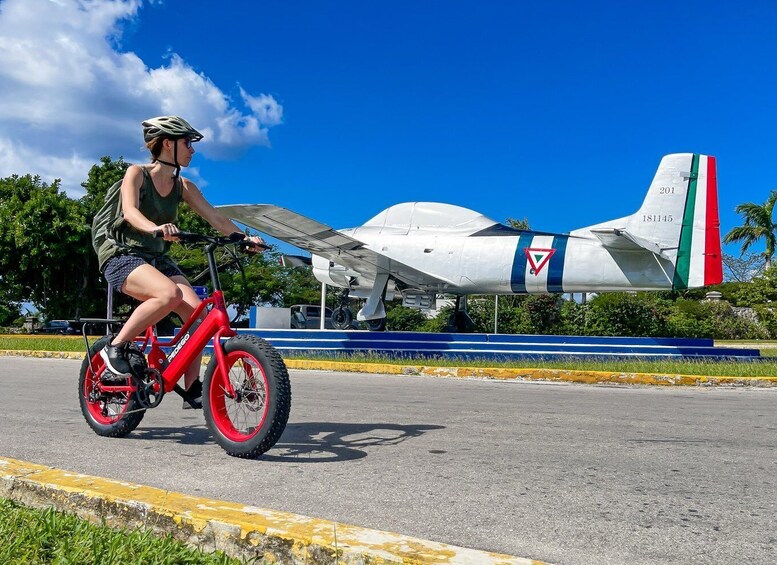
(187, 347)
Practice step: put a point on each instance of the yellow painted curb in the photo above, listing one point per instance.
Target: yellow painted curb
(42, 354)
(317, 365)
(520, 374)
(593, 377)
(529, 374)
(243, 532)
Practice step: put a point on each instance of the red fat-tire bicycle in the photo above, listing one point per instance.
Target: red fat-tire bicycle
(246, 389)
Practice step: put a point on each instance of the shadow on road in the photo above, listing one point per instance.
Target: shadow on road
(311, 442)
(322, 442)
(186, 435)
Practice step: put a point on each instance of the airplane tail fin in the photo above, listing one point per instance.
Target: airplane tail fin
(677, 221)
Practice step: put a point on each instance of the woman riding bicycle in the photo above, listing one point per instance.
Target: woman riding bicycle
(136, 261)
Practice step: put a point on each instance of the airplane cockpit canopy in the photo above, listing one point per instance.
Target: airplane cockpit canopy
(410, 216)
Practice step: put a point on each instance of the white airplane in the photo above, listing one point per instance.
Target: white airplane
(422, 249)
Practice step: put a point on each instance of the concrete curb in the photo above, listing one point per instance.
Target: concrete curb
(42, 354)
(243, 532)
(518, 374)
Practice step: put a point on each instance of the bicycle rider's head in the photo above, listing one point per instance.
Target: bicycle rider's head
(170, 139)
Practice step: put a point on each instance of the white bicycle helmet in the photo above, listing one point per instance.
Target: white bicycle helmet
(169, 126)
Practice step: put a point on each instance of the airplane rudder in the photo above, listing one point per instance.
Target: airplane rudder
(699, 256)
(713, 254)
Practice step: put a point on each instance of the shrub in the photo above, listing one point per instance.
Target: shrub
(401, 319)
(712, 319)
(544, 313)
(767, 317)
(625, 314)
(573, 317)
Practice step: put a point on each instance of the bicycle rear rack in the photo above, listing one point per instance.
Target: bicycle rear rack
(109, 321)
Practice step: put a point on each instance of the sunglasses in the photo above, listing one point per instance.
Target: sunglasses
(187, 142)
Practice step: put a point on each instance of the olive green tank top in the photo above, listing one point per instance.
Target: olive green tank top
(159, 209)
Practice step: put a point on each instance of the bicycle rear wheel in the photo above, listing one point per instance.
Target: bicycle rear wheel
(250, 422)
(113, 414)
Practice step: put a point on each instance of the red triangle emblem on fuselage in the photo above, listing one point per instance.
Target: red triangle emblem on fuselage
(538, 258)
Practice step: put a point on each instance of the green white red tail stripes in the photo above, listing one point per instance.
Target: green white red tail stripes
(699, 261)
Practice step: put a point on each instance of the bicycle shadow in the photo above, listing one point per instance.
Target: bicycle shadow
(195, 434)
(309, 442)
(325, 442)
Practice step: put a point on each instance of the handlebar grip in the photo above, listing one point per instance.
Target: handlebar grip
(190, 237)
(181, 235)
(246, 244)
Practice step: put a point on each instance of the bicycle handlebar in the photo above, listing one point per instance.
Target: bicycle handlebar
(192, 237)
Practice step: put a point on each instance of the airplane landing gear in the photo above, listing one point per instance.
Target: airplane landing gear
(459, 321)
(373, 313)
(342, 317)
(378, 325)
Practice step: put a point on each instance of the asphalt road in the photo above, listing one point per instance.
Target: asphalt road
(568, 474)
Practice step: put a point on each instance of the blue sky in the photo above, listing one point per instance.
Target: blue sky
(556, 112)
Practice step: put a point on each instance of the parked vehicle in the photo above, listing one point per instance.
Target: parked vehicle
(308, 317)
(61, 327)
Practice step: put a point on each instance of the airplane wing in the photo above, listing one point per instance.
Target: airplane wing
(320, 239)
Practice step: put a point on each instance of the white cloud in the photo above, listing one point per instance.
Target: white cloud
(20, 159)
(69, 95)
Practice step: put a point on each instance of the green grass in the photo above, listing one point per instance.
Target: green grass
(662, 367)
(29, 536)
(767, 368)
(43, 343)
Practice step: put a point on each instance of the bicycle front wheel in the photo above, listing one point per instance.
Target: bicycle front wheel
(252, 420)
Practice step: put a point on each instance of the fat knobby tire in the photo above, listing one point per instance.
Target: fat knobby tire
(122, 426)
(278, 396)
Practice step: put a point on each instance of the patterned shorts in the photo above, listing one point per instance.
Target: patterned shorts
(118, 268)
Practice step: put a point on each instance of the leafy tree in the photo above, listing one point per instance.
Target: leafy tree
(9, 313)
(99, 179)
(743, 268)
(44, 238)
(767, 319)
(759, 224)
(761, 290)
(518, 224)
(299, 284)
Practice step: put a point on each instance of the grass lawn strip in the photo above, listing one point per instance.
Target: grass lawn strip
(30, 535)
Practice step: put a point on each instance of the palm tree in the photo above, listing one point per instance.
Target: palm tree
(758, 225)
